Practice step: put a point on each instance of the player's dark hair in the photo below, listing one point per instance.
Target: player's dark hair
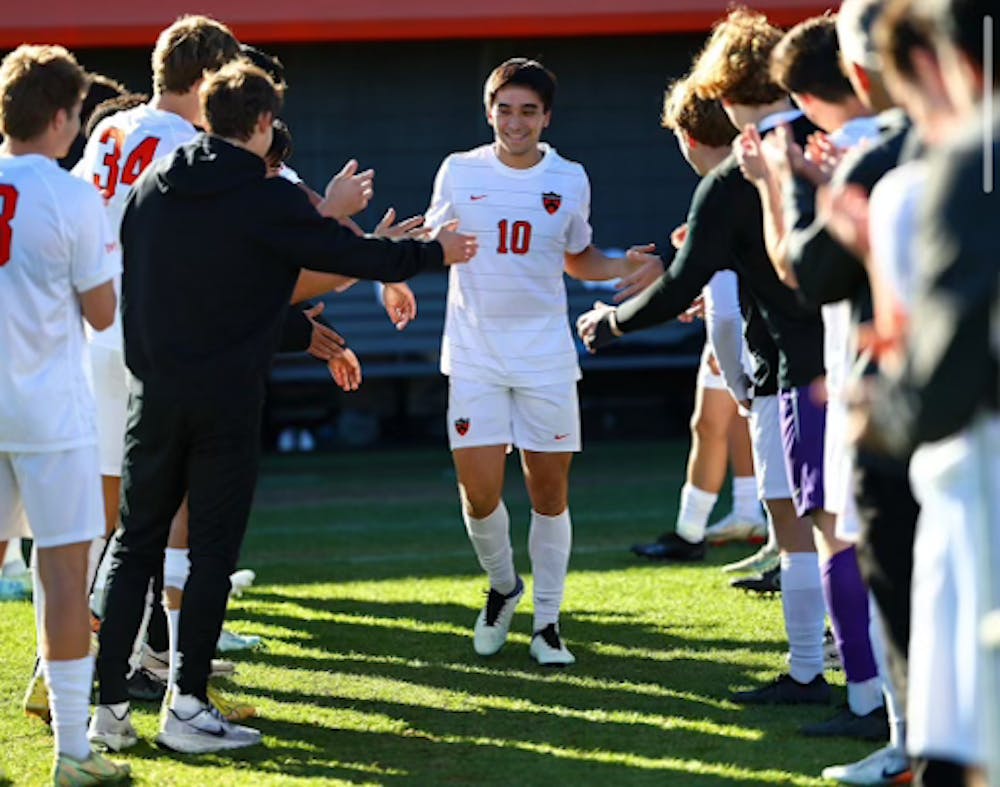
(187, 49)
(734, 64)
(522, 72)
(705, 121)
(281, 144)
(35, 83)
(274, 67)
(111, 106)
(807, 60)
(904, 28)
(235, 96)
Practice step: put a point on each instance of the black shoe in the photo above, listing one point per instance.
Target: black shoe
(144, 686)
(671, 546)
(872, 726)
(768, 582)
(785, 690)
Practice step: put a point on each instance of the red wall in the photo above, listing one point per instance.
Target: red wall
(135, 23)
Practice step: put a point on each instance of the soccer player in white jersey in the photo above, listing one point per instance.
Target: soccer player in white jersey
(507, 346)
(58, 258)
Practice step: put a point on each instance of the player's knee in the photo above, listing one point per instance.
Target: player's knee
(707, 429)
(480, 504)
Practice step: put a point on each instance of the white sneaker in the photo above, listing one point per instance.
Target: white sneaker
(548, 649)
(160, 667)
(203, 731)
(734, 528)
(493, 623)
(240, 581)
(110, 732)
(230, 641)
(888, 765)
(761, 561)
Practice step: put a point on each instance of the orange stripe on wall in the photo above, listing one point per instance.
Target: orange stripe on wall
(120, 23)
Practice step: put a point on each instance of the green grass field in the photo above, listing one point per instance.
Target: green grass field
(366, 592)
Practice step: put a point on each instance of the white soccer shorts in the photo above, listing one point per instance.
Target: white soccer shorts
(60, 491)
(110, 379)
(708, 379)
(768, 453)
(545, 418)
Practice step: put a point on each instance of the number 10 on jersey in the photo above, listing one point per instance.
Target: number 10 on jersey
(518, 234)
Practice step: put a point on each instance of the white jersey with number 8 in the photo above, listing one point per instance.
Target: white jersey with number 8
(118, 151)
(55, 243)
(506, 321)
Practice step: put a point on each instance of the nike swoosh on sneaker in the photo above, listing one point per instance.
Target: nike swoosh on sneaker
(894, 774)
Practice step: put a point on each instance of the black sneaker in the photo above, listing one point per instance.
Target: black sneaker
(785, 690)
(144, 686)
(671, 546)
(872, 726)
(766, 583)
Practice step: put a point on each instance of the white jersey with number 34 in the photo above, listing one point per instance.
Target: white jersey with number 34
(117, 153)
(506, 321)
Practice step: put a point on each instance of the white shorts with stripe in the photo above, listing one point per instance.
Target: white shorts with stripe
(544, 418)
(768, 453)
(110, 378)
(59, 491)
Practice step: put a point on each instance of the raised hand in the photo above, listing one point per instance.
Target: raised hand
(748, 149)
(348, 192)
(458, 247)
(408, 228)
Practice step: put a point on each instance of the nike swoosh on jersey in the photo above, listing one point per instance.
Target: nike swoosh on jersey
(477, 197)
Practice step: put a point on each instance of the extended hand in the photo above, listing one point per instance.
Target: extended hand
(348, 192)
(345, 369)
(646, 269)
(325, 342)
(595, 327)
(408, 228)
(400, 304)
(458, 247)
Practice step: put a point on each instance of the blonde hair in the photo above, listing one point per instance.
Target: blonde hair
(735, 63)
(704, 120)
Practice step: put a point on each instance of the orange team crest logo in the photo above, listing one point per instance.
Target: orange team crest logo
(551, 201)
(462, 426)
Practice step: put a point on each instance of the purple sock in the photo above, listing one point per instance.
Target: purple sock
(847, 601)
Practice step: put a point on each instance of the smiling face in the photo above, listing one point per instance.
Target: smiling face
(518, 117)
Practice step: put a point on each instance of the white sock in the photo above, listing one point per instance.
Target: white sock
(69, 699)
(692, 518)
(13, 553)
(746, 505)
(173, 635)
(100, 585)
(38, 600)
(176, 567)
(186, 705)
(805, 613)
(140, 637)
(490, 537)
(864, 696)
(549, 542)
(893, 709)
(94, 559)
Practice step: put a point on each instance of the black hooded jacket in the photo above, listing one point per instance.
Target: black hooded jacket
(212, 249)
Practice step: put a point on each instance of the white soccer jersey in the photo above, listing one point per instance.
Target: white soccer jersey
(55, 243)
(506, 321)
(117, 153)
